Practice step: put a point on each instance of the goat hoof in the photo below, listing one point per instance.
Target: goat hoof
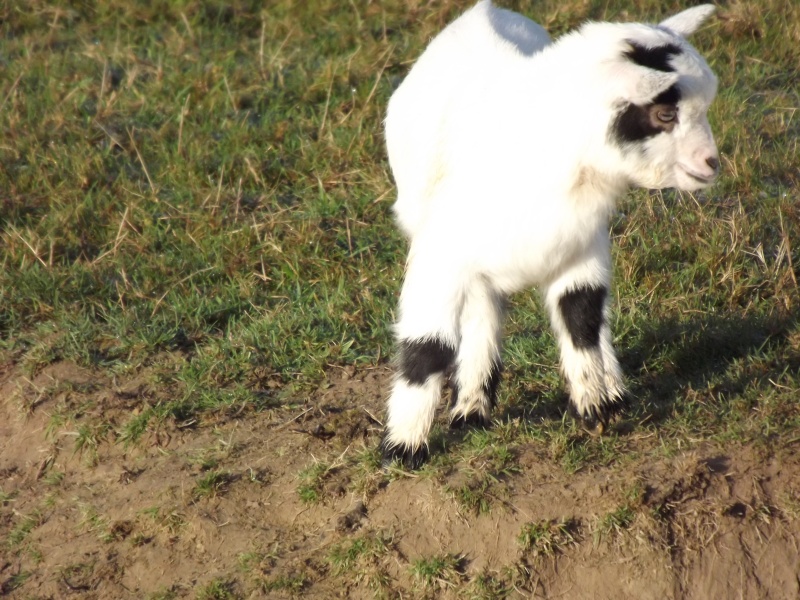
(411, 458)
(596, 421)
(473, 419)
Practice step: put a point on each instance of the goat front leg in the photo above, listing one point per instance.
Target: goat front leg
(578, 305)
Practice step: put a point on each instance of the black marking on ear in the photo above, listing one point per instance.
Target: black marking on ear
(582, 311)
(671, 95)
(634, 123)
(656, 58)
(420, 359)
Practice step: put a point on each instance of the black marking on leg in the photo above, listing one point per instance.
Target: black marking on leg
(582, 311)
(656, 58)
(492, 382)
(412, 459)
(420, 359)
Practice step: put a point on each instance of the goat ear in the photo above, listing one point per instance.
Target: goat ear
(688, 21)
(650, 83)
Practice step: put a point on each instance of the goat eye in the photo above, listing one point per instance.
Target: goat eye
(667, 116)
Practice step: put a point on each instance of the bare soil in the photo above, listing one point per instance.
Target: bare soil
(133, 522)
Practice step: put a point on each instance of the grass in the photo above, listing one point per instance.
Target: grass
(209, 185)
(614, 523)
(547, 538)
(217, 589)
(439, 571)
(196, 196)
(212, 483)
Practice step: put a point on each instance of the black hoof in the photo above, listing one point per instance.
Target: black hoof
(411, 459)
(473, 419)
(597, 419)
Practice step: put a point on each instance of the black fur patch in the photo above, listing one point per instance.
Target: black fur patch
(491, 383)
(634, 123)
(412, 459)
(473, 419)
(582, 310)
(653, 58)
(421, 358)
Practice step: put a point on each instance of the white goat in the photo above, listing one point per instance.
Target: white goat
(509, 153)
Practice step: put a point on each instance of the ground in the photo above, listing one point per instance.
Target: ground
(223, 510)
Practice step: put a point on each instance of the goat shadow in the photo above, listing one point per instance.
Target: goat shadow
(674, 355)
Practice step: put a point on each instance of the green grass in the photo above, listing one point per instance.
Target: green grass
(614, 523)
(312, 479)
(547, 538)
(212, 483)
(204, 191)
(217, 589)
(22, 528)
(438, 571)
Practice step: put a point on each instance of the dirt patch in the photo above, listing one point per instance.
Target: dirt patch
(292, 502)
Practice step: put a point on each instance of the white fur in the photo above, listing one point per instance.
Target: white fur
(506, 173)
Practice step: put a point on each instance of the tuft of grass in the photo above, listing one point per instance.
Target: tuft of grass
(218, 589)
(257, 560)
(441, 571)
(547, 538)
(293, 583)
(20, 531)
(7, 497)
(346, 556)
(487, 586)
(96, 523)
(613, 524)
(474, 495)
(211, 484)
(311, 479)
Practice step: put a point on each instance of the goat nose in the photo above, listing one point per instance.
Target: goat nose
(713, 162)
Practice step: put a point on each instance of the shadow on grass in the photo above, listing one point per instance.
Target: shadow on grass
(723, 354)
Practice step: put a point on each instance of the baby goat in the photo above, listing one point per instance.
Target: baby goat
(509, 153)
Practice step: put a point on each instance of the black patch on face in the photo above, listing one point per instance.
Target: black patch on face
(653, 58)
(635, 123)
(582, 311)
(421, 358)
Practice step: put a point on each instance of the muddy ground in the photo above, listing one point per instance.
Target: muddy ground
(133, 522)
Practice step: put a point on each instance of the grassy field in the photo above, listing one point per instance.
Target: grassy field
(195, 198)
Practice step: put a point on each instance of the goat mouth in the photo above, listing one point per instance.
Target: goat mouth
(705, 179)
